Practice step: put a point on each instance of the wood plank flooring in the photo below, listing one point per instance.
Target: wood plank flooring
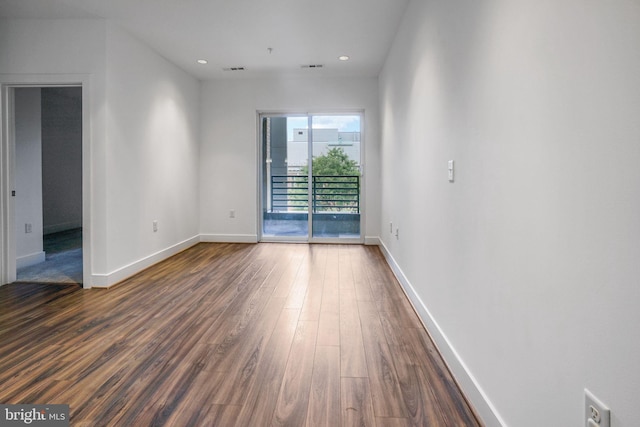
(231, 335)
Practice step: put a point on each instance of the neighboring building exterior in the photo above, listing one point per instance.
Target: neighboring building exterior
(323, 141)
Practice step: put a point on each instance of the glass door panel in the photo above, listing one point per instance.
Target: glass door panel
(310, 183)
(335, 176)
(285, 186)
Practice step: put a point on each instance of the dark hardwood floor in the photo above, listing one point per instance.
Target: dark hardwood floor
(231, 335)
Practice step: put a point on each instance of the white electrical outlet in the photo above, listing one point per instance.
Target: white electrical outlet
(450, 168)
(596, 413)
(232, 213)
(155, 226)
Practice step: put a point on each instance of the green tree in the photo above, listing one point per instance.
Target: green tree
(338, 194)
(334, 162)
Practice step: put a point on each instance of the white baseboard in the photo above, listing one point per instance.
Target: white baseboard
(110, 279)
(54, 228)
(31, 259)
(229, 238)
(106, 280)
(465, 379)
(372, 241)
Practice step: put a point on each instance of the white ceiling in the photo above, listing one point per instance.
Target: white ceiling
(233, 33)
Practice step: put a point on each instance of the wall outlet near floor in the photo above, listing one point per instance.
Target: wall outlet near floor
(232, 213)
(155, 226)
(596, 413)
(28, 228)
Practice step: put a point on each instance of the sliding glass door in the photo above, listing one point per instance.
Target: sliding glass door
(285, 189)
(311, 177)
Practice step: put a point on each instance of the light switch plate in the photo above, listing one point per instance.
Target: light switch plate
(450, 170)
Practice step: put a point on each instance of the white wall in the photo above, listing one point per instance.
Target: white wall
(59, 50)
(151, 154)
(143, 135)
(228, 165)
(28, 179)
(528, 263)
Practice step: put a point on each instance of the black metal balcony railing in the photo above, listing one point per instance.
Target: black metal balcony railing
(336, 193)
(339, 193)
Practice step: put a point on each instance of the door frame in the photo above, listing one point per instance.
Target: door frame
(260, 114)
(7, 166)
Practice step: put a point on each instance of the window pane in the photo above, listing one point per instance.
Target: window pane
(335, 184)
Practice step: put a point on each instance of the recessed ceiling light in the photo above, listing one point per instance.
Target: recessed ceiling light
(343, 58)
(202, 61)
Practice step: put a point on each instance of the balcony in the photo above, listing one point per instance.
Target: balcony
(335, 205)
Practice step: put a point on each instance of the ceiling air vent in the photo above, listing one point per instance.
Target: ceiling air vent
(312, 66)
(233, 69)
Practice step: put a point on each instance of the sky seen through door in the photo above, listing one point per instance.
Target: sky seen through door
(342, 123)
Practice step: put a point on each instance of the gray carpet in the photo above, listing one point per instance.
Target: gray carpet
(63, 263)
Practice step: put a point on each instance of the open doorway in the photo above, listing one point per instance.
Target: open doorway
(48, 204)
